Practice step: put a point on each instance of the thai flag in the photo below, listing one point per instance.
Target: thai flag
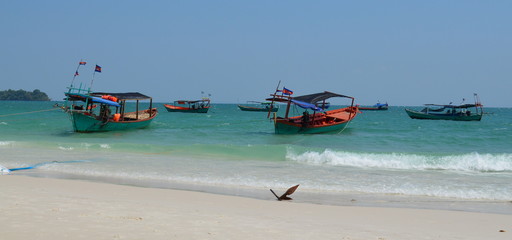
(97, 69)
(287, 91)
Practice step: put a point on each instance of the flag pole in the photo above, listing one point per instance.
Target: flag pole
(76, 72)
(96, 69)
(92, 80)
(273, 97)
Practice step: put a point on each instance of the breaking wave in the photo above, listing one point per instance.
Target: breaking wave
(405, 161)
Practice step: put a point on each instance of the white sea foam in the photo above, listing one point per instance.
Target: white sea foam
(462, 162)
(89, 145)
(106, 146)
(66, 148)
(86, 145)
(6, 143)
(324, 178)
(4, 170)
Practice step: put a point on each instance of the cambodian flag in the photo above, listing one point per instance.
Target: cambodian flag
(97, 69)
(287, 91)
(82, 63)
(76, 73)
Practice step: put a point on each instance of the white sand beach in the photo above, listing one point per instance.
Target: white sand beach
(41, 208)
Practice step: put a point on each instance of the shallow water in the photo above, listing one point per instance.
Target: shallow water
(383, 157)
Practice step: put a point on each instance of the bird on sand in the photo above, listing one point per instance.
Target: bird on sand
(285, 195)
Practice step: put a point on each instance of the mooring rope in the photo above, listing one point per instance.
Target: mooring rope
(14, 114)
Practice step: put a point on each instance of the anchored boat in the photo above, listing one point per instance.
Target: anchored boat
(315, 118)
(449, 112)
(376, 107)
(101, 111)
(188, 106)
(264, 107)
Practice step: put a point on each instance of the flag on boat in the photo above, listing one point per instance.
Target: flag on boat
(287, 91)
(82, 63)
(76, 73)
(97, 69)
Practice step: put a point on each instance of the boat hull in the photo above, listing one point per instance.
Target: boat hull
(284, 127)
(171, 108)
(432, 116)
(373, 108)
(331, 121)
(87, 123)
(256, 109)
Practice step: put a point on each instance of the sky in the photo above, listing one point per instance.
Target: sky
(406, 53)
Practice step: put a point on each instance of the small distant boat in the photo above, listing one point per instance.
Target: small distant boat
(449, 112)
(265, 107)
(376, 107)
(189, 106)
(102, 112)
(319, 121)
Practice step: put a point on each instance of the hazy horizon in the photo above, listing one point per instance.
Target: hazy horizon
(406, 53)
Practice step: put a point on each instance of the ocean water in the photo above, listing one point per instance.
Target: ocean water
(382, 158)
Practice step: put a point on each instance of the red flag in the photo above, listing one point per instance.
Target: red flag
(287, 91)
(82, 63)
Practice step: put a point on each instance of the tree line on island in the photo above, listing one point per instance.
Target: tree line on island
(22, 95)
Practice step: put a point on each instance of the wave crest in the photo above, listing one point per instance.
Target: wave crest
(405, 161)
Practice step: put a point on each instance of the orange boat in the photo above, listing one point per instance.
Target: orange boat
(319, 120)
(187, 106)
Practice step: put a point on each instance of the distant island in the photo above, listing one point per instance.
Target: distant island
(22, 95)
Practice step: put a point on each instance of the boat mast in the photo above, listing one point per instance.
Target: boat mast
(477, 103)
(273, 96)
(351, 109)
(150, 106)
(137, 110)
(96, 69)
(76, 71)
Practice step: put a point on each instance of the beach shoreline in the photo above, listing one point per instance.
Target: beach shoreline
(45, 208)
(304, 195)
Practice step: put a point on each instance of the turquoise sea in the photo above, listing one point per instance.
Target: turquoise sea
(383, 158)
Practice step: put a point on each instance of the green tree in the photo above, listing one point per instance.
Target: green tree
(22, 95)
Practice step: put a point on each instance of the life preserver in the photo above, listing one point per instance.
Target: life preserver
(110, 98)
(116, 117)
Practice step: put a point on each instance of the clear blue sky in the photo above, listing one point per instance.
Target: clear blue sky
(402, 52)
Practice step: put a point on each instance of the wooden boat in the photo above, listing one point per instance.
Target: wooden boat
(319, 121)
(449, 112)
(101, 111)
(266, 106)
(187, 106)
(376, 107)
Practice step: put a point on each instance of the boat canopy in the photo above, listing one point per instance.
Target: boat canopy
(310, 98)
(124, 96)
(105, 101)
(317, 97)
(191, 101)
(455, 106)
(307, 105)
(381, 105)
(258, 102)
(310, 101)
(83, 97)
